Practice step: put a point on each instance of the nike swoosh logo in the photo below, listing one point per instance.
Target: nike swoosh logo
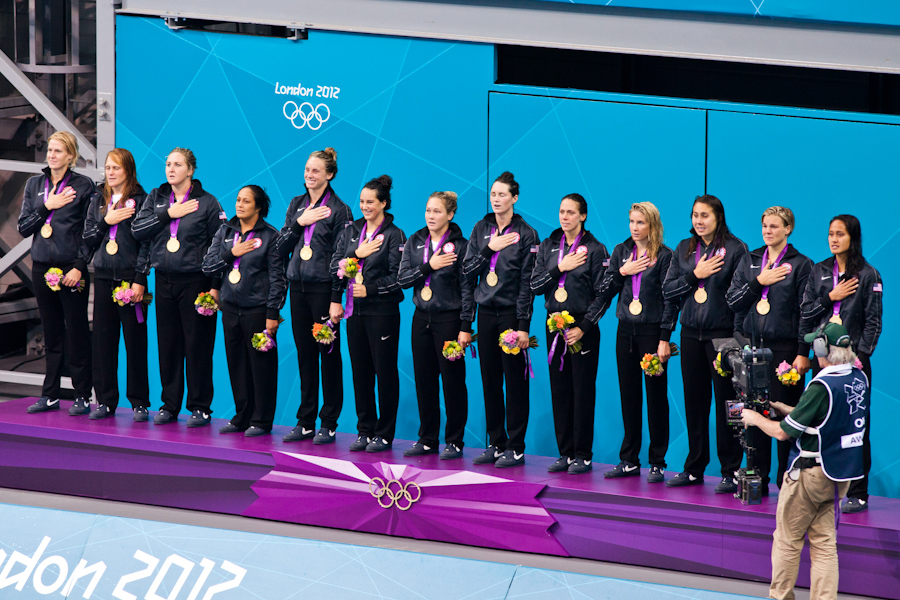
(584, 352)
(487, 237)
(51, 402)
(325, 318)
(384, 337)
(554, 250)
(518, 456)
(420, 247)
(826, 277)
(754, 266)
(630, 469)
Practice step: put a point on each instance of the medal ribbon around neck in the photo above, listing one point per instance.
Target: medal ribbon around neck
(362, 238)
(173, 224)
(60, 186)
(636, 285)
(235, 275)
(309, 229)
(111, 246)
(702, 284)
(496, 256)
(440, 247)
(561, 285)
(764, 298)
(836, 307)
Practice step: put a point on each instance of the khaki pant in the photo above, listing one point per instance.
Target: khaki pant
(806, 507)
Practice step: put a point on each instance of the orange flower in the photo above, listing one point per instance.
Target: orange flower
(317, 327)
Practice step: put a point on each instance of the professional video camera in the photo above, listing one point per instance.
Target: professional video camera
(751, 379)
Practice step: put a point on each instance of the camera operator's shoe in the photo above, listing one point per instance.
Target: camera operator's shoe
(324, 436)
(451, 452)
(562, 464)
(43, 404)
(726, 486)
(683, 479)
(854, 505)
(360, 444)
(656, 474)
(489, 456)
(420, 449)
(510, 459)
(79, 407)
(623, 469)
(580, 466)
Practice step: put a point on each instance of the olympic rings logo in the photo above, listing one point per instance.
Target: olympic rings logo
(307, 113)
(394, 493)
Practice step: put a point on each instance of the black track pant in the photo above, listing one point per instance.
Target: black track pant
(496, 365)
(109, 318)
(699, 376)
(67, 335)
(859, 488)
(573, 392)
(630, 349)
(429, 364)
(308, 308)
(254, 374)
(186, 340)
(373, 341)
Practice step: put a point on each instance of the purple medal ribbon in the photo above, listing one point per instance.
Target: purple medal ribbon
(765, 290)
(237, 239)
(528, 369)
(114, 229)
(562, 283)
(440, 246)
(697, 256)
(60, 186)
(636, 279)
(496, 255)
(308, 230)
(836, 308)
(362, 237)
(139, 313)
(173, 224)
(562, 359)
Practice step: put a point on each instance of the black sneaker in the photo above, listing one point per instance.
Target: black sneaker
(452, 451)
(562, 464)
(726, 486)
(255, 431)
(683, 479)
(324, 436)
(854, 505)
(510, 459)
(360, 444)
(378, 444)
(81, 406)
(101, 412)
(623, 469)
(489, 456)
(230, 428)
(163, 417)
(420, 449)
(298, 434)
(656, 474)
(580, 466)
(141, 414)
(43, 404)
(198, 418)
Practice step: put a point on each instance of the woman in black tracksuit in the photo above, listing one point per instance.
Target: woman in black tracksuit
(445, 309)
(847, 289)
(244, 261)
(698, 278)
(373, 327)
(637, 271)
(180, 218)
(118, 257)
(569, 271)
(766, 292)
(307, 241)
(53, 211)
(499, 262)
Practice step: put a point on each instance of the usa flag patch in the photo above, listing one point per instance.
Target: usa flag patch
(222, 216)
(534, 249)
(877, 287)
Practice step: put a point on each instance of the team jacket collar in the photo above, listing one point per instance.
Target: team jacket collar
(791, 252)
(235, 223)
(558, 234)
(492, 219)
(455, 232)
(46, 171)
(196, 189)
(361, 222)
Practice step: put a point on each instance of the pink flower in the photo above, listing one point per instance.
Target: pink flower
(783, 368)
(858, 364)
(52, 279)
(511, 338)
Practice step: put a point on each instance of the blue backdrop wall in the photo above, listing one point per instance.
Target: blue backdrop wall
(429, 114)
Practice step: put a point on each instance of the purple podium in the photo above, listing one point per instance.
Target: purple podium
(524, 509)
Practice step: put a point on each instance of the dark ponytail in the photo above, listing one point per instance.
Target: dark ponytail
(382, 187)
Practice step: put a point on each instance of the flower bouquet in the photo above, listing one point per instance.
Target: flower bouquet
(559, 323)
(348, 268)
(652, 366)
(452, 350)
(858, 364)
(323, 332)
(123, 294)
(262, 341)
(787, 374)
(53, 277)
(206, 305)
(510, 337)
(718, 366)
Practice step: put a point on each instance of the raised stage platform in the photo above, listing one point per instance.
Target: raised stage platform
(524, 509)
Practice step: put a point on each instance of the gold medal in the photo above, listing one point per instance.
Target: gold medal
(173, 245)
(561, 295)
(700, 296)
(492, 279)
(359, 278)
(635, 307)
(426, 293)
(763, 307)
(112, 247)
(836, 319)
(306, 253)
(46, 230)
(235, 276)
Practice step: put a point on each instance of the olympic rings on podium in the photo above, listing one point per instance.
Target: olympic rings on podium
(396, 493)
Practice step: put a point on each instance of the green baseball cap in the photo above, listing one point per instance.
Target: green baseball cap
(835, 334)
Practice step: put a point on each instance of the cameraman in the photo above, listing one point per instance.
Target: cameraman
(828, 425)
